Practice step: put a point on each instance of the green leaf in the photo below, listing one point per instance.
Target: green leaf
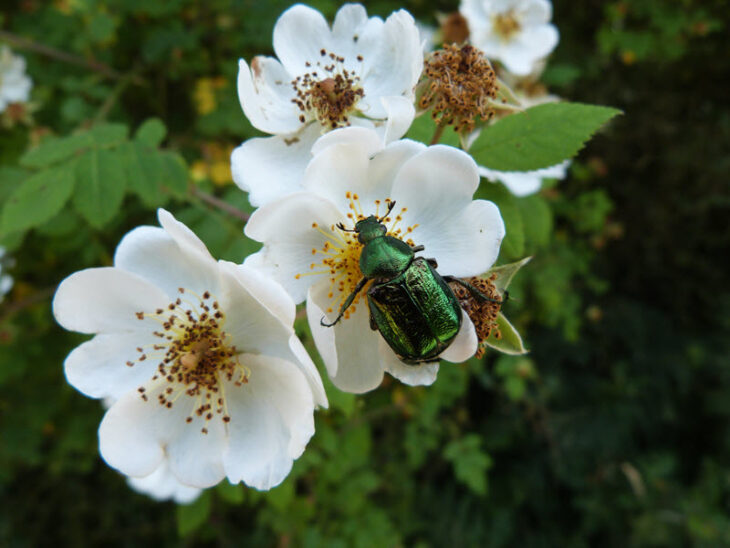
(423, 128)
(109, 135)
(151, 132)
(55, 149)
(190, 517)
(174, 174)
(537, 220)
(37, 199)
(143, 170)
(505, 273)
(470, 462)
(510, 341)
(10, 179)
(540, 137)
(100, 185)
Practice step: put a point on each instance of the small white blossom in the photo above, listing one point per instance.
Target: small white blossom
(199, 358)
(352, 176)
(15, 85)
(6, 280)
(524, 183)
(516, 32)
(362, 72)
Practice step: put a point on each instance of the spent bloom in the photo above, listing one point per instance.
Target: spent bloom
(309, 246)
(517, 33)
(359, 72)
(15, 85)
(198, 357)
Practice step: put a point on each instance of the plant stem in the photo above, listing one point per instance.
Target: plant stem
(66, 57)
(220, 204)
(437, 134)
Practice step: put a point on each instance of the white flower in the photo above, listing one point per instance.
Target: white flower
(352, 176)
(15, 85)
(523, 183)
(515, 32)
(162, 485)
(6, 280)
(200, 358)
(360, 72)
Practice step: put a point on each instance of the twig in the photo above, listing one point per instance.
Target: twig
(220, 204)
(15, 307)
(439, 130)
(66, 57)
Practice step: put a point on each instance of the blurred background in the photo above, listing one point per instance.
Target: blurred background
(612, 431)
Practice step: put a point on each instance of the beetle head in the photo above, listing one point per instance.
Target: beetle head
(369, 229)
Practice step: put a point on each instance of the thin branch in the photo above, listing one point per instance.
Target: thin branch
(59, 55)
(439, 130)
(15, 307)
(220, 204)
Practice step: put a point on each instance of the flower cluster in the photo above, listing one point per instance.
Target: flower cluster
(381, 237)
(15, 85)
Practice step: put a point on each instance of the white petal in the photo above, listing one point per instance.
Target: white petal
(269, 168)
(537, 12)
(285, 226)
(183, 236)
(271, 422)
(299, 35)
(436, 187)
(307, 367)
(349, 22)
(400, 112)
(98, 367)
(412, 375)
(395, 61)
(464, 345)
(523, 183)
(162, 485)
(265, 93)
(250, 324)
(356, 366)
(104, 300)
(268, 292)
(169, 263)
(135, 435)
(366, 139)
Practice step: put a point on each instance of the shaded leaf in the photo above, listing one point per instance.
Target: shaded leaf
(109, 135)
(37, 199)
(505, 273)
(470, 462)
(143, 171)
(100, 185)
(151, 132)
(190, 517)
(55, 149)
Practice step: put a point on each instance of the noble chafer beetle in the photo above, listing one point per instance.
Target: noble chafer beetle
(410, 303)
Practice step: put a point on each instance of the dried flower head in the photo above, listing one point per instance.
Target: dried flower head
(459, 85)
(483, 314)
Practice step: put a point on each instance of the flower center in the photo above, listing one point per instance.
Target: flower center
(339, 256)
(328, 93)
(506, 25)
(195, 356)
(459, 84)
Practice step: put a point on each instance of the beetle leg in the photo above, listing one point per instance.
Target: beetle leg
(346, 304)
(373, 325)
(473, 290)
(417, 248)
(434, 264)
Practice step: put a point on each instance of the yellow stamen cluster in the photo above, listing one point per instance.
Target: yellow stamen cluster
(505, 25)
(459, 85)
(483, 314)
(329, 93)
(339, 256)
(194, 356)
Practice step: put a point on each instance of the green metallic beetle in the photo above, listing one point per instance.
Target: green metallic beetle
(411, 305)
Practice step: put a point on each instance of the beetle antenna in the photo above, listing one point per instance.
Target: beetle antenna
(391, 205)
(343, 229)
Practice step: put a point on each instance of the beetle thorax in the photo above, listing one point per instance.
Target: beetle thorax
(369, 229)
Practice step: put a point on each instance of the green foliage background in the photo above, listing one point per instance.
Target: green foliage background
(613, 431)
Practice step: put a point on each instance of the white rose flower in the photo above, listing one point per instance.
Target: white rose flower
(163, 485)
(516, 32)
(6, 280)
(360, 72)
(199, 358)
(15, 85)
(352, 176)
(524, 183)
